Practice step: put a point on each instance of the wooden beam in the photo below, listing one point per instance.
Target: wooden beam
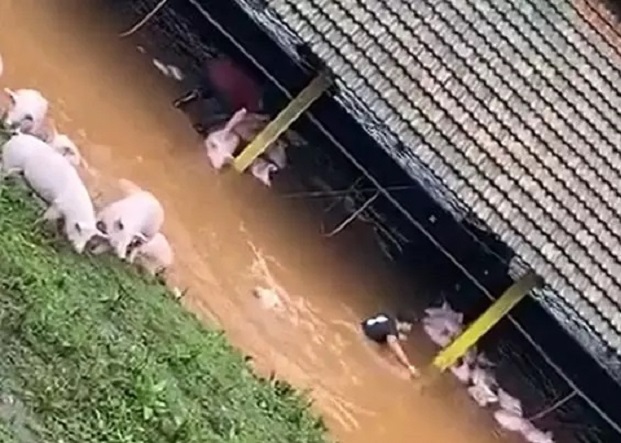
(282, 122)
(473, 333)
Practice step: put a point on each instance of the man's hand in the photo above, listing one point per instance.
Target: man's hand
(413, 371)
(396, 348)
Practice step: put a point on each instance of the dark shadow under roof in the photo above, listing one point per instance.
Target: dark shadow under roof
(510, 110)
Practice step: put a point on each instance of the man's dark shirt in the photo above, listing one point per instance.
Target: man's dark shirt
(233, 84)
(379, 327)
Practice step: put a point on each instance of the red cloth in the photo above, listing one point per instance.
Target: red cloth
(239, 89)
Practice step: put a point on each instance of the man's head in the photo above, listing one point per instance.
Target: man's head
(405, 320)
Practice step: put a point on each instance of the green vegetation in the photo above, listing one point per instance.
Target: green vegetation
(91, 352)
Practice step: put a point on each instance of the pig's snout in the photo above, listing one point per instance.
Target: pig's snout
(137, 241)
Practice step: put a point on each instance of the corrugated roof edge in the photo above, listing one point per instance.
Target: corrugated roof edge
(551, 301)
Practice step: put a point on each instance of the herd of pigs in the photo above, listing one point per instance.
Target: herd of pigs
(131, 226)
(442, 324)
(241, 93)
(49, 162)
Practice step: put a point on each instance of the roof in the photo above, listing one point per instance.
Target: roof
(507, 109)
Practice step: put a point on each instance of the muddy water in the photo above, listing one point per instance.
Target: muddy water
(230, 234)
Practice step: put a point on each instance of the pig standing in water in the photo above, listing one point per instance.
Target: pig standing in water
(222, 143)
(154, 256)
(442, 324)
(508, 402)
(268, 298)
(19, 149)
(484, 387)
(225, 87)
(512, 421)
(262, 170)
(277, 154)
(64, 146)
(57, 182)
(27, 110)
(264, 167)
(137, 216)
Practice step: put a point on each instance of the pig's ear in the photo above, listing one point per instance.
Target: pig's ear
(118, 225)
(26, 125)
(11, 95)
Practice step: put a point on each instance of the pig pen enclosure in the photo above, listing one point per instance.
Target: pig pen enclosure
(535, 367)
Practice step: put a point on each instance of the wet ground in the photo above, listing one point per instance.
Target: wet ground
(231, 234)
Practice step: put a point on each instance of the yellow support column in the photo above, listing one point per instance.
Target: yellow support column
(281, 123)
(501, 307)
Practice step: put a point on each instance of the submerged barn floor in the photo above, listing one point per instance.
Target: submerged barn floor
(230, 234)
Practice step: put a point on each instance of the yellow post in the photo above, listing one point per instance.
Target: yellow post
(283, 120)
(501, 307)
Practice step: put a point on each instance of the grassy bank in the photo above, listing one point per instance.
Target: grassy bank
(91, 353)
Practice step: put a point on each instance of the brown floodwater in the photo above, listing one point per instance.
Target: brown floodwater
(231, 234)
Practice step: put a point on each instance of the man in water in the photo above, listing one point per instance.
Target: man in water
(390, 330)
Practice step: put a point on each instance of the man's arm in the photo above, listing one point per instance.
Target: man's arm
(395, 347)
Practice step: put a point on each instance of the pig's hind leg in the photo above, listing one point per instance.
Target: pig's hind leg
(100, 248)
(51, 214)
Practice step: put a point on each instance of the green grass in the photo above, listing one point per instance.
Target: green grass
(90, 352)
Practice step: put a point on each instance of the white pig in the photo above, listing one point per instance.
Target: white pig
(441, 329)
(277, 154)
(447, 324)
(136, 216)
(27, 110)
(511, 422)
(445, 311)
(484, 379)
(436, 333)
(482, 395)
(484, 362)
(508, 402)
(222, 143)
(18, 149)
(470, 357)
(154, 256)
(64, 146)
(534, 435)
(462, 372)
(263, 170)
(58, 183)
